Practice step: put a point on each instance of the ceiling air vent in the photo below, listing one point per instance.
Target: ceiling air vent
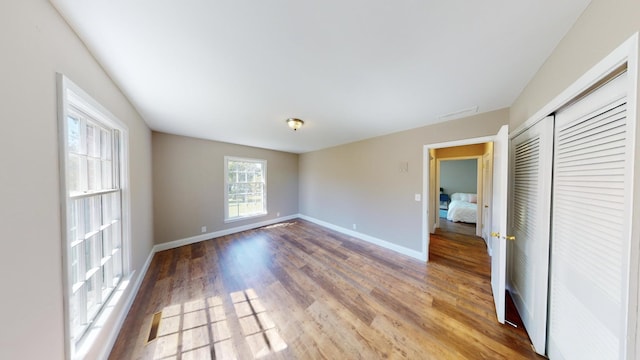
(460, 113)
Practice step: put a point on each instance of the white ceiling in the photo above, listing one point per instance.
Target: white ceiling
(234, 70)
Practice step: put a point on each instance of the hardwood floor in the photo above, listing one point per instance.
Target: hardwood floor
(457, 227)
(296, 290)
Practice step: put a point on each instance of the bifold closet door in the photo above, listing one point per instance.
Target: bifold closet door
(590, 239)
(532, 153)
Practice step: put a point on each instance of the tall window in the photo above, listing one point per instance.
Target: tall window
(92, 182)
(245, 188)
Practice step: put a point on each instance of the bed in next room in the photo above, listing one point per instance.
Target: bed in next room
(463, 208)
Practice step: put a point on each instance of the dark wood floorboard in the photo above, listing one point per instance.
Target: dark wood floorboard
(296, 290)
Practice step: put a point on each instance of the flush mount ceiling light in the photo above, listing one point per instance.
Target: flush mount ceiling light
(294, 123)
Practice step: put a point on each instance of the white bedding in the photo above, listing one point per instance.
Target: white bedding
(461, 210)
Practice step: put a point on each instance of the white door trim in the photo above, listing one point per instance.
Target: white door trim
(425, 181)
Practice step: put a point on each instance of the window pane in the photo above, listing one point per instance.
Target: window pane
(107, 211)
(97, 213)
(115, 206)
(89, 253)
(107, 174)
(116, 235)
(77, 273)
(233, 210)
(117, 267)
(107, 241)
(76, 309)
(105, 144)
(73, 222)
(94, 174)
(93, 214)
(73, 135)
(93, 299)
(107, 279)
(74, 173)
(93, 140)
(93, 252)
(81, 212)
(245, 188)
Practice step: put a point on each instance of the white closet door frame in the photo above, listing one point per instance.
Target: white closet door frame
(529, 253)
(591, 235)
(626, 53)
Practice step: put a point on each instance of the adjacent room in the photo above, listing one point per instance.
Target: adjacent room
(459, 178)
(340, 179)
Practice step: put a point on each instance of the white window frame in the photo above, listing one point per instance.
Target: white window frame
(227, 218)
(73, 100)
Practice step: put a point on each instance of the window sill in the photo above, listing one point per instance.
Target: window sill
(226, 221)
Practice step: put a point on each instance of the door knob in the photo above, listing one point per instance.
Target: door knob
(508, 237)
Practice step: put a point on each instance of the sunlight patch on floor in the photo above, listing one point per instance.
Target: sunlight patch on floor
(259, 331)
(199, 329)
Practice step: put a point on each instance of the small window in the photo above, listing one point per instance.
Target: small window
(245, 188)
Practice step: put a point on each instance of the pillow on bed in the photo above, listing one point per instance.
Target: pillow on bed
(465, 197)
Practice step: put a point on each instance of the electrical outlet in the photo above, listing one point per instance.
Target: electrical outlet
(277, 214)
(203, 229)
(354, 227)
(418, 197)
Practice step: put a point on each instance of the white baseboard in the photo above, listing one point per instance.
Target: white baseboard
(382, 243)
(215, 234)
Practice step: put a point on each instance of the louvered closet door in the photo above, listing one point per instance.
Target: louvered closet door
(590, 227)
(532, 153)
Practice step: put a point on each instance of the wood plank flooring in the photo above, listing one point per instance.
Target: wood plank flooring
(458, 227)
(296, 290)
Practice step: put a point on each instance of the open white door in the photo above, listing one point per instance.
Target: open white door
(499, 220)
(530, 205)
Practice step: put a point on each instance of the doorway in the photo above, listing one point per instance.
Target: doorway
(497, 243)
(435, 212)
(460, 189)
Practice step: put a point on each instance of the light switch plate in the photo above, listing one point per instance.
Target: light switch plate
(418, 197)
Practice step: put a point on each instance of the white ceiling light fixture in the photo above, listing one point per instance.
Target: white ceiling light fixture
(294, 123)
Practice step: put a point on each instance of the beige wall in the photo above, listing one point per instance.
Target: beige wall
(36, 43)
(603, 26)
(361, 183)
(188, 185)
